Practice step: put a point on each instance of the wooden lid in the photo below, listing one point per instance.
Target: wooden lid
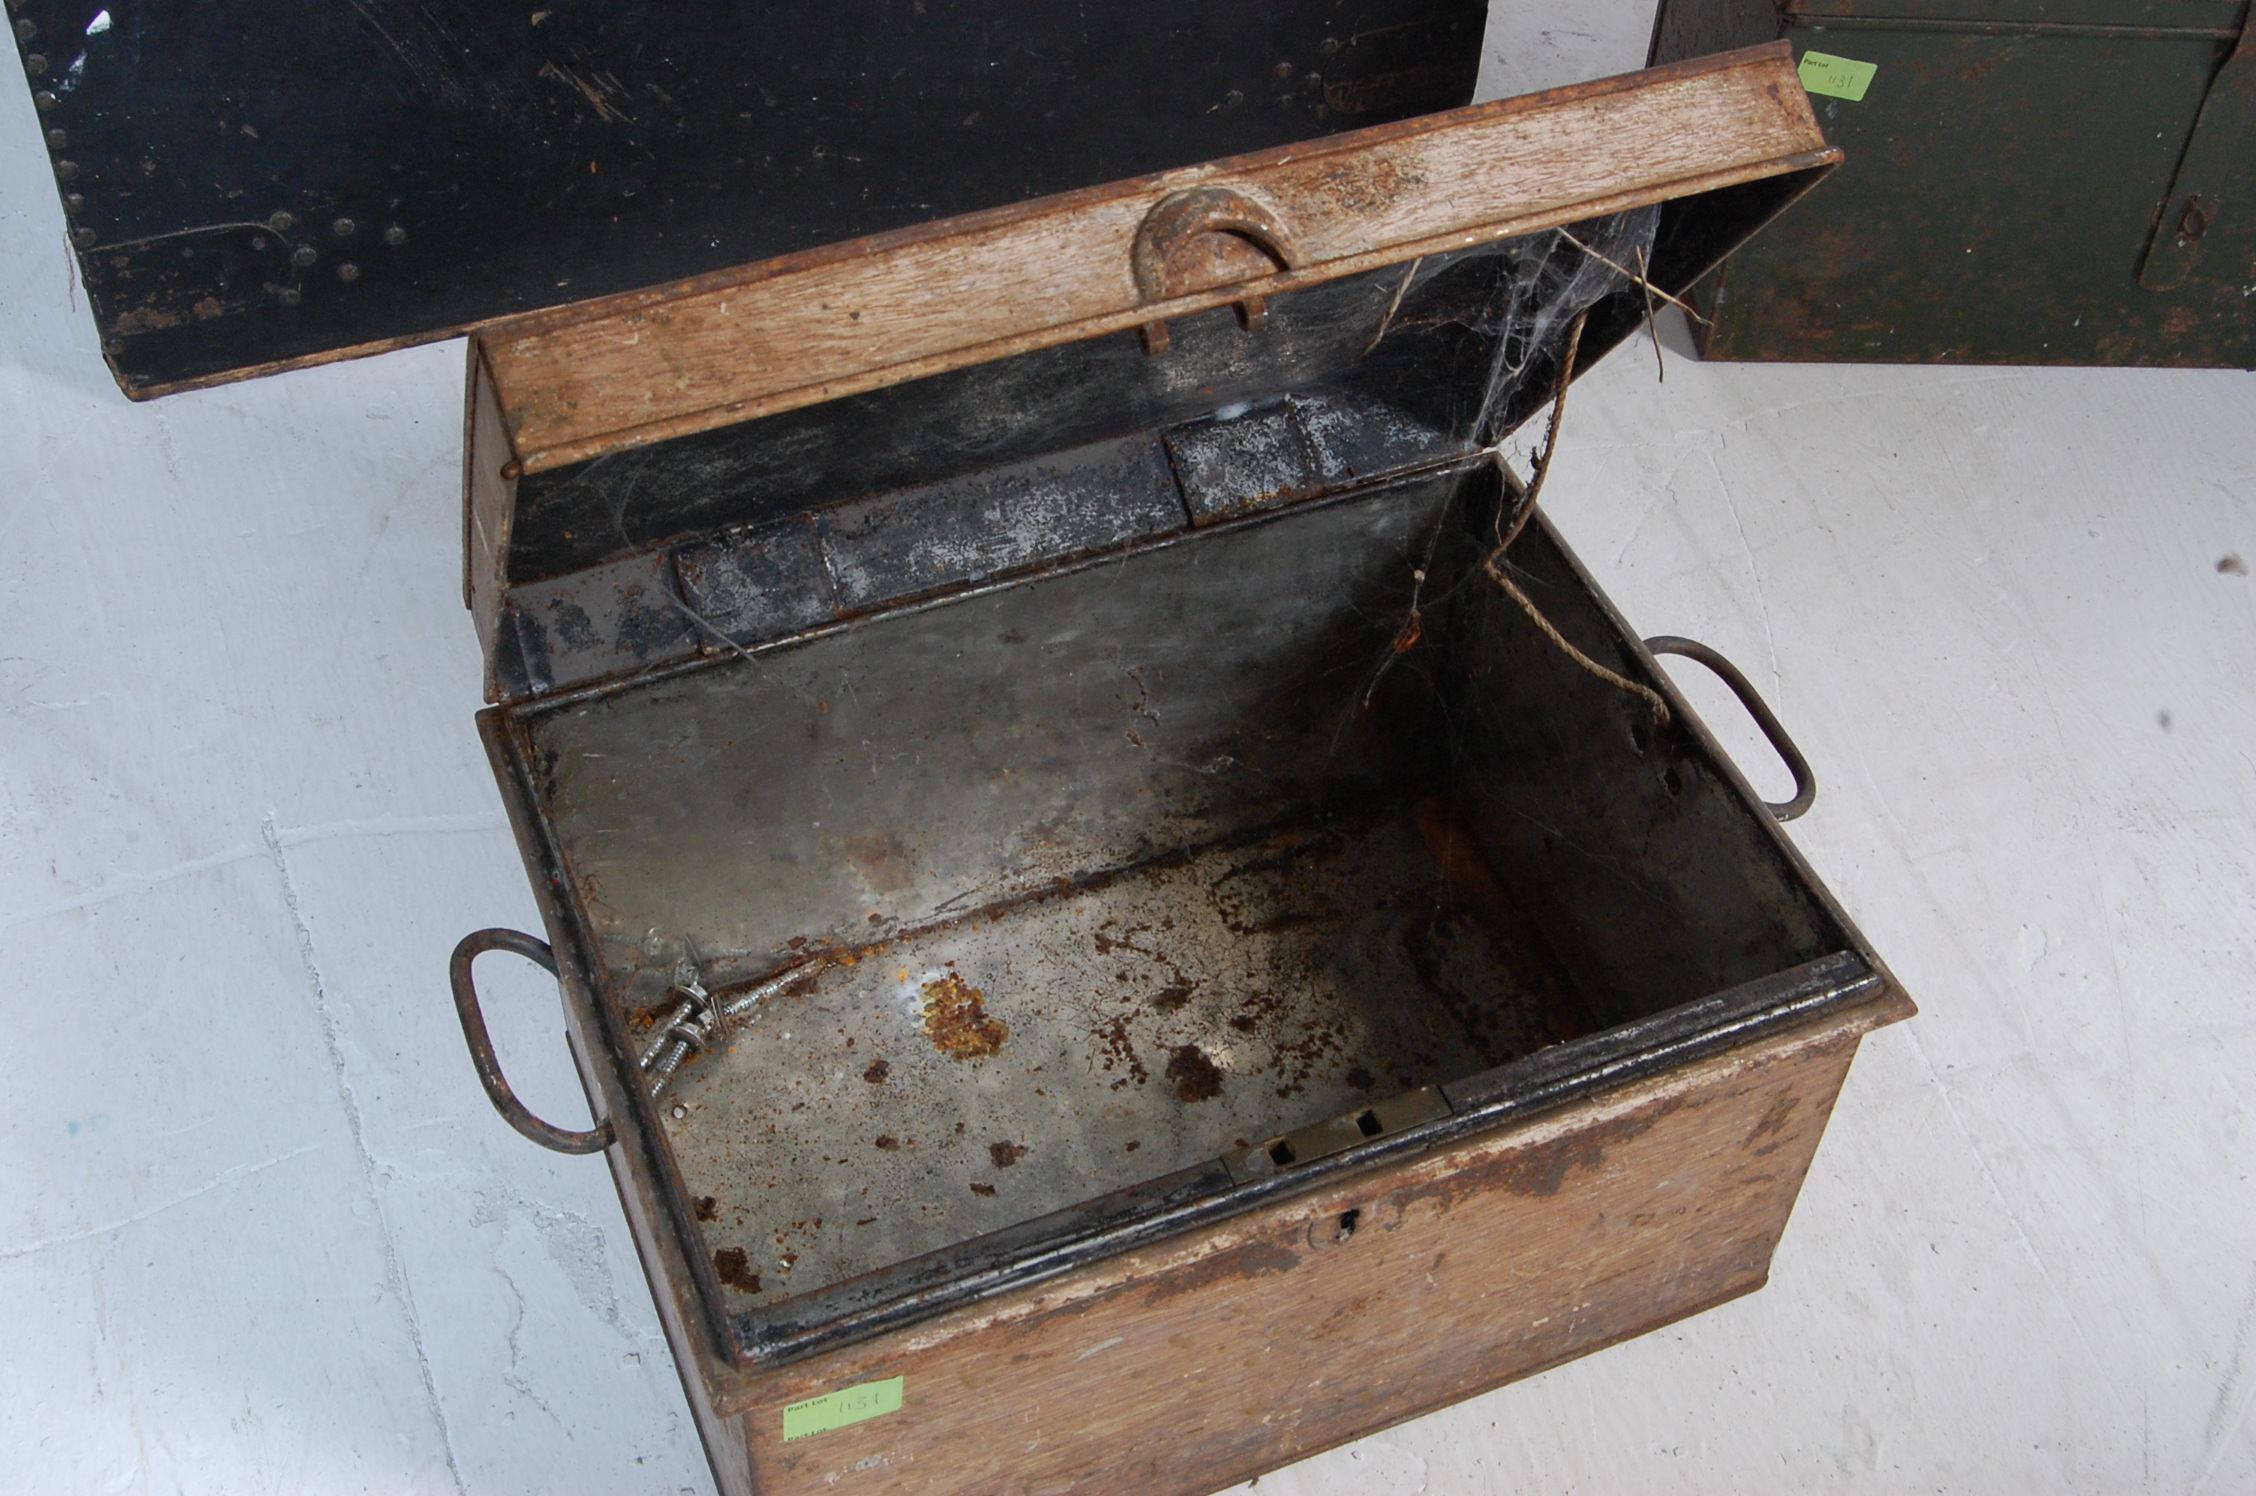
(928, 371)
(647, 366)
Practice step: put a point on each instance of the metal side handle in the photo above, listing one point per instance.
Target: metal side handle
(505, 1101)
(1805, 782)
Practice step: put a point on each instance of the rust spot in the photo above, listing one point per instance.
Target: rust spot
(881, 859)
(143, 319)
(1006, 1155)
(887, 1143)
(1217, 257)
(1119, 1049)
(708, 1208)
(735, 1269)
(1296, 1061)
(1171, 997)
(983, 1189)
(1133, 1145)
(1257, 1008)
(1124, 941)
(1360, 1078)
(956, 1021)
(878, 1070)
(1195, 1076)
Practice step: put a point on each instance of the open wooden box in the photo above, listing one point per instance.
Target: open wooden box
(1107, 953)
(1109, 943)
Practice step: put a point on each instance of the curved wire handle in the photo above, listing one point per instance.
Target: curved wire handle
(505, 1101)
(1805, 782)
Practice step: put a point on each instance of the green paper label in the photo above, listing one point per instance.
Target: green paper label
(1837, 77)
(841, 1409)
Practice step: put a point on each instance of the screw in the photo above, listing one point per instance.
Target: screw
(58, 140)
(289, 296)
(1284, 70)
(343, 228)
(281, 223)
(27, 28)
(74, 201)
(304, 255)
(35, 64)
(348, 272)
(66, 171)
(680, 1112)
(45, 100)
(258, 241)
(395, 236)
(84, 238)
(1330, 46)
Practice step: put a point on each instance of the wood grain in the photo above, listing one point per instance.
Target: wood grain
(1245, 1347)
(578, 381)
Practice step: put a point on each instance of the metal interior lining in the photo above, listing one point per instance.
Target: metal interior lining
(934, 760)
(1160, 774)
(1187, 847)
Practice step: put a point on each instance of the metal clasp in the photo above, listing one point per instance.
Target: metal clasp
(1165, 265)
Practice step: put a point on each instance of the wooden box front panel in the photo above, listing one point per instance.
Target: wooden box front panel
(1208, 1360)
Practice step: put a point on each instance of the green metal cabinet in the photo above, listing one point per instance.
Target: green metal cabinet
(2028, 182)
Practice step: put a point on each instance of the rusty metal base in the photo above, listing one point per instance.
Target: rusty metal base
(976, 1074)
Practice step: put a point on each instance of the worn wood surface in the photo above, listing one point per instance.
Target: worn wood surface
(645, 366)
(1218, 1356)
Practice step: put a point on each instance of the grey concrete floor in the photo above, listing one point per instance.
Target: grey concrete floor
(259, 1231)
